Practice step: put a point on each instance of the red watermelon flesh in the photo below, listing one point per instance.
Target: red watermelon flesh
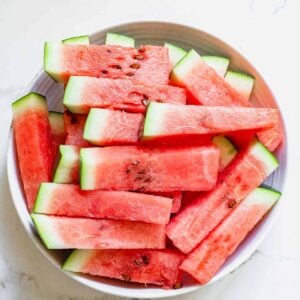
(69, 200)
(149, 169)
(176, 197)
(146, 64)
(32, 135)
(74, 126)
(83, 92)
(206, 87)
(83, 233)
(112, 127)
(159, 267)
(174, 120)
(206, 259)
(247, 171)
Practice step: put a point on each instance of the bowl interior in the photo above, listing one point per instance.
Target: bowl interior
(154, 33)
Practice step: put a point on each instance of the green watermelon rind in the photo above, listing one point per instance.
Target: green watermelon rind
(116, 39)
(72, 95)
(77, 40)
(95, 125)
(175, 53)
(218, 63)
(153, 120)
(46, 231)
(242, 82)
(77, 259)
(269, 160)
(56, 122)
(52, 55)
(86, 162)
(68, 157)
(227, 149)
(262, 195)
(43, 197)
(30, 101)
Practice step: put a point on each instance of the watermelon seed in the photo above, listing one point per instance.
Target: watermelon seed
(126, 277)
(104, 71)
(139, 56)
(73, 119)
(142, 50)
(231, 203)
(145, 259)
(177, 285)
(129, 74)
(118, 67)
(108, 51)
(135, 66)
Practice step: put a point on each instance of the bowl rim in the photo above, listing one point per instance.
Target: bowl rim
(136, 293)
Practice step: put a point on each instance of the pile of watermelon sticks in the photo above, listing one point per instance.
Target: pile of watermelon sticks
(154, 169)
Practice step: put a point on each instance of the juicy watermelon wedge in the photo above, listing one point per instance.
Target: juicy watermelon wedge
(82, 233)
(69, 200)
(149, 169)
(109, 127)
(74, 126)
(205, 260)
(159, 267)
(32, 135)
(167, 120)
(147, 64)
(67, 170)
(204, 85)
(119, 40)
(246, 172)
(84, 92)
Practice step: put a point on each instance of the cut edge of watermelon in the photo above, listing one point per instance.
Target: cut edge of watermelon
(46, 231)
(262, 195)
(241, 82)
(77, 40)
(185, 65)
(31, 101)
(72, 96)
(218, 63)
(95, 125)
(69, 155)
(119, 40)
(86, 165)
(77, 259)
(265, 156)
(57, 122)
(52, 59)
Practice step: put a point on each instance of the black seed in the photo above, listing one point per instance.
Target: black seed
(73, 119)
(177, 285)
(129, 74)
(108, 51)
(118, 67)
(231, 203)
(141, 50)
(145, 260)
(104, 71)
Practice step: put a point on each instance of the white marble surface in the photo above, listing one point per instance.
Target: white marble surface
(267, 32)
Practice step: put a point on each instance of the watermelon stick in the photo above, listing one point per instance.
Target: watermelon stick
(206, 259)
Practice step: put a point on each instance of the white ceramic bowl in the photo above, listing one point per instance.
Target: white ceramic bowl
(154, 33)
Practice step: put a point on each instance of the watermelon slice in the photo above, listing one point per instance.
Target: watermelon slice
(77, 40)
(67, 170)
(58, 133)
(227, 151)
(241, 82)
(204, 85)
(147, 64)
(119, 40)
(160, 267)
(218, 63)
(108, 127)
(167, 120)
(74, 126)
(209, 256)
(69, 200)
(149, 169)
(32, 135)
(84, 92)
(82, 233)
(248, 170)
